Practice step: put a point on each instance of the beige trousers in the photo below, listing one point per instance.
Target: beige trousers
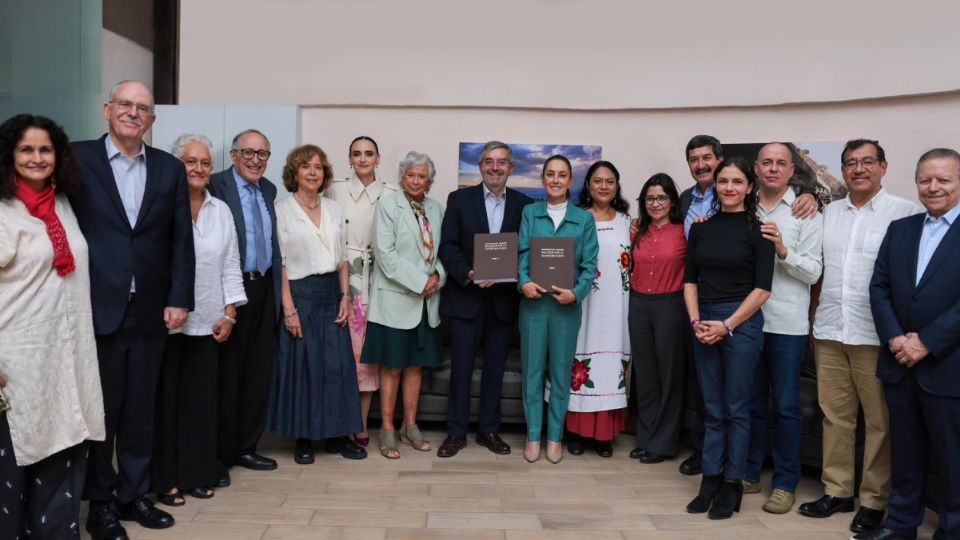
(846, 379)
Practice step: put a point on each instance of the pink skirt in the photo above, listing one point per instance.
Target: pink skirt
(368, 375)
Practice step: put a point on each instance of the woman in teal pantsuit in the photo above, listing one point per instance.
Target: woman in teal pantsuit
(550, 320)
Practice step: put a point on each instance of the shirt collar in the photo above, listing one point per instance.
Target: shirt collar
(788, 197)
(356, 189)
(882, 194)
(708, 194)
(488, 194)
(241, 181)
(113, 151)
(949, 217)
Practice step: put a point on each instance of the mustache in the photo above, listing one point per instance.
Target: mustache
(703, 170)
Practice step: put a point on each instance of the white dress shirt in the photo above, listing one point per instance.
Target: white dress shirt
(851, 241)
(786, 312)
(217, 281)
(306, 249)
(130, 175)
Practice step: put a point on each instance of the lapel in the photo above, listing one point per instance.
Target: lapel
(104, 173)
(912, 236)
(947, 245)
(480, 208)
(232, 197)
(152, 183)
(513, 208)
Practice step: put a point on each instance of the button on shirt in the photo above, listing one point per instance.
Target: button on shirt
(934, 229)
(130, 174)
(247, 204)
(700, 205)
(786, 312)
(658, 260)
(851, 241)
(494, 207)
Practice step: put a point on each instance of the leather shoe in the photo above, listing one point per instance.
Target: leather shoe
(143, 512)
(223, 475)
(346, 448)
(199, 492)
(103, 525)
(303, 452)
(576, 445)
(881, 534)
(637, 452)
(256, 462)
(866, 520)
(604, 448)
(493, 442)
(451, 445)
(649, 457)
(827, 506)
(693, 465)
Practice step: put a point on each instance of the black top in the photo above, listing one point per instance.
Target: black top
(726, 260)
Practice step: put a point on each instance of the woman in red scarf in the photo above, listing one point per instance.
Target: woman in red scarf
(48, 356)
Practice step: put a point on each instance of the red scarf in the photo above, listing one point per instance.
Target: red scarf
(41, 205)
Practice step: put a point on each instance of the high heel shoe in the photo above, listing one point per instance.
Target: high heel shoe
(554, 451)
(531, 453)
(727, 500)
(709, 486)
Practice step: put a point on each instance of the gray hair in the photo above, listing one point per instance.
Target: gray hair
(414, 159)
(938, 153)
(115, 88)
(182, 141)
(495, 145)
(235, 145)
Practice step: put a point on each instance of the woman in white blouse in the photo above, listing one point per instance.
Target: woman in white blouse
(314, 394)
(185, 439)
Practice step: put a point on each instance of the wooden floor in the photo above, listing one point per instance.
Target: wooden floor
(478, 495)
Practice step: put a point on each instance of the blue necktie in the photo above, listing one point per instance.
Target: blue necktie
(260, 240)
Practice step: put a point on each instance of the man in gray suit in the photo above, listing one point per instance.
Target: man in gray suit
(246, 361)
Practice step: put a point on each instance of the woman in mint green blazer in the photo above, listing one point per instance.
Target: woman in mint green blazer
(550, 320)
(403, 316)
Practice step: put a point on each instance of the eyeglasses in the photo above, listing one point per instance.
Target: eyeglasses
(248, 153)
(124, 105)
(659, 199)
(867, 163)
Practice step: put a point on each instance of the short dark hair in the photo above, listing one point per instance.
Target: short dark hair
(495, 145)
(853, 144)
(586, 201)
(558, 157)
(66, 174)
(939, 153)
(704, 140)
(376, 147)
(300, 155)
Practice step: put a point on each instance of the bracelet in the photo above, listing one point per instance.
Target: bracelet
(291, 314)
(229, 318)
(726, 324)
(694, 322)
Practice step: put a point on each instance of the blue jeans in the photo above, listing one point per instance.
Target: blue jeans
(726, 372)
(778, 373)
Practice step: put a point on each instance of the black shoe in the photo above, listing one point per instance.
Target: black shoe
(303, 452)
(727, 501)
(709, 487)
(604, 448)
(881, 534)
(103, 525)
(693, 465)
(637, 452)
(346, 448)
(143, 512)
(199, 492)
(576, 445)
(827, 506)
(451, 445)
(649, 457)
(223, 475)
(493, 443)
(866, 520)
(256, 462)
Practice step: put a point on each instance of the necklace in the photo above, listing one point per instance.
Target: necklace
(306, 206)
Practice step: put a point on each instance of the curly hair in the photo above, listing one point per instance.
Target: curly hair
(586, 201)
(66, 174)
(300, 155)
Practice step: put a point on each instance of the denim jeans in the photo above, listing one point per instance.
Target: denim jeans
(778, 373)
(726, 371)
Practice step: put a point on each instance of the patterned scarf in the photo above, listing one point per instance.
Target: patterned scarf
(426, 233)
(41, 205)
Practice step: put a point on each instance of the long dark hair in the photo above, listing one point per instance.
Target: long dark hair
(750, 198)
(670, 188)
(66, 175)
(586, 201)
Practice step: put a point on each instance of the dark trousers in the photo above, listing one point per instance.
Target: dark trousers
(185, 438)
(493, 336)
(129, 371)
(695, 395)
(777, 375)
(245, 373)
(726, 373)
(40, 501)
(660, 337)
(923, 427)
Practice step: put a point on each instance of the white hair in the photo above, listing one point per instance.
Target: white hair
(182, 141)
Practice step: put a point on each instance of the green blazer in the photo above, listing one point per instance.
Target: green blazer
(577, 223)
(400, 270)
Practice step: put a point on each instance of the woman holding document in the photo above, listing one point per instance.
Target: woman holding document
(550, 315)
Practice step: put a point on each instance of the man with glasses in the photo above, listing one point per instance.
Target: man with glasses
(846, 343)
(134, 211)
(246, 360)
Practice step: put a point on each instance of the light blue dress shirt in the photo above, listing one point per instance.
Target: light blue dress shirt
(130, 174)
(934, 229)
(247, 204)
(700, 205)
(494, 208)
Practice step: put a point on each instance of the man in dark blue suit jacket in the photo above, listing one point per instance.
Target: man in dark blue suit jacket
(915, 298)
(246, 361)
(135, 214)
(481, 314)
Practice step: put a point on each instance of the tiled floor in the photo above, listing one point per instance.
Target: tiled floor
(478, 495)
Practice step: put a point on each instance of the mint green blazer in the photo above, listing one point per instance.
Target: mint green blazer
(577, 223)
(400, 270)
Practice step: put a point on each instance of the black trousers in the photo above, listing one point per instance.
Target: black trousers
(660, 342)
(245, 372)
(129, 371)
(493, 336)
(185, 437)
(40, 501)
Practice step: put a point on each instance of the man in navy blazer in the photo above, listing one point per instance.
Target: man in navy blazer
(246, 361)
(134, 211)
(915, 299)
(479, 314)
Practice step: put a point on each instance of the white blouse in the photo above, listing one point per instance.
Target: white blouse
(306, 249)
(217, 280)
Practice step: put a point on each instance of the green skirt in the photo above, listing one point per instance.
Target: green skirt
(396, 348)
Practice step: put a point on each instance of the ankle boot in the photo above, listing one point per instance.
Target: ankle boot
(727, 500)
(709, 486)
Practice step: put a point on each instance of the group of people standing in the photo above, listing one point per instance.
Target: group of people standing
(172, 314)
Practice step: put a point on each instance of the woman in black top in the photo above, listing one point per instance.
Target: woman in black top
(729, 269)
